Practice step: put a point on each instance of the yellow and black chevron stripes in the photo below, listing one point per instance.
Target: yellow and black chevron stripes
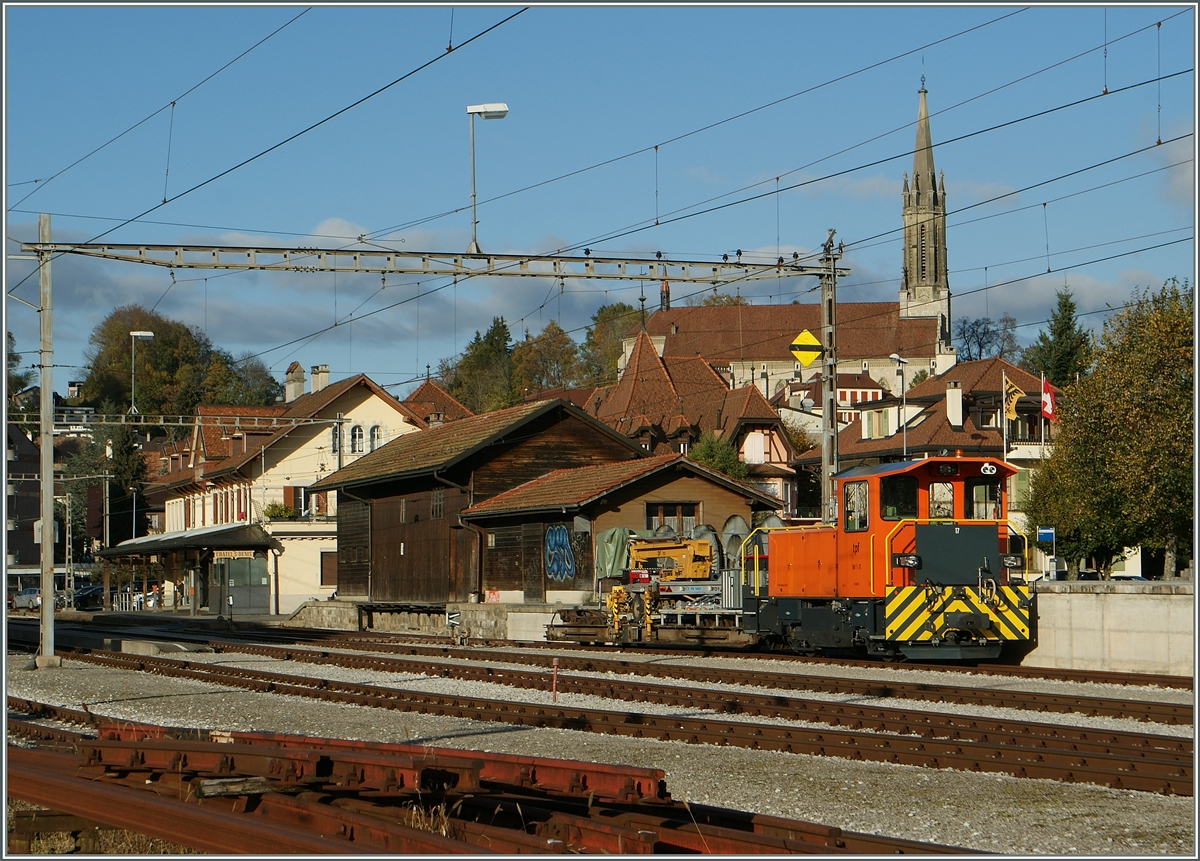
(921, 613)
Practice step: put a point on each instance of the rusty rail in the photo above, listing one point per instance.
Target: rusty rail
(333, 795)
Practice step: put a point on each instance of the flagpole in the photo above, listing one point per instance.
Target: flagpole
(1004, 409)
(1042, 418)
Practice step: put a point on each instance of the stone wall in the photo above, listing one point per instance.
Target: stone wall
(1122, 627)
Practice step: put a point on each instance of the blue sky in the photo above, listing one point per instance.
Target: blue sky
(585, 86)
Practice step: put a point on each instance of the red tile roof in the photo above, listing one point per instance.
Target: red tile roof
(675, 394)
(572, 488)
(429, 398)
(441, 447)
(765, 332)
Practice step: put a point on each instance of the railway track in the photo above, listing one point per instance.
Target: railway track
(1168, 713)
(1147, 763)
(243, 792)
(386, 642)
(1137, 709)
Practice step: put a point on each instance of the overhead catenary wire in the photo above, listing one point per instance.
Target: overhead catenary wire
(43, 183)
(298, 134)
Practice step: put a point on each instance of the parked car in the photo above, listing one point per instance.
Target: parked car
(89, 598)
(28, 599)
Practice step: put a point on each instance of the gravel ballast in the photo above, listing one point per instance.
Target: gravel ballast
(981, 811)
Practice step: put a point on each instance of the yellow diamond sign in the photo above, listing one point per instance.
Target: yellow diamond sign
(806, 348)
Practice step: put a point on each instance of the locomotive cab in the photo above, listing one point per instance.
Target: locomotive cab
(922, 562)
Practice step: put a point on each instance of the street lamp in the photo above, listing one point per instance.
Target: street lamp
(489, 111)
(900, 363)
(133, 337)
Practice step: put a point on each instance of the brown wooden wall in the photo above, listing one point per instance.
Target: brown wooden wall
(354, 543)
(561, 445)
(420, 558)
(517, 559)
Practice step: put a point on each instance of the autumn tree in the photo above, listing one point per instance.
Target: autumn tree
(176, 369)
(1006, 339)
(601, 348)
(482, 376)
(1065, 351)
(546, 361)
(1121, 470)
(718, 454)
(716, 300)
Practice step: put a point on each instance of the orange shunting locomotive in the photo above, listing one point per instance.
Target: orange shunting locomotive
(922, 563)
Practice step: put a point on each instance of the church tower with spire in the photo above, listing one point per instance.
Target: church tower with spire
(925, 291)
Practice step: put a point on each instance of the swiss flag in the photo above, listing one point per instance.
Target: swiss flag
(1048, 401)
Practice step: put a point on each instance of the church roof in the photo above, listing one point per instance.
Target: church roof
(923, 152)
(751, 333)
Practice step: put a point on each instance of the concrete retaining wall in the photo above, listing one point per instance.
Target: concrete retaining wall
(1122, 627)
(477, 621)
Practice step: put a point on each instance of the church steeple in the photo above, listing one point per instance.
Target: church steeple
(925, 291)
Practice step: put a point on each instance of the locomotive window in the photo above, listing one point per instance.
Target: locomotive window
(983, 499)
(855, 506)
(898, 497)
(941, 499)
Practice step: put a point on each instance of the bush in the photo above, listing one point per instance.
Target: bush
(279, 511)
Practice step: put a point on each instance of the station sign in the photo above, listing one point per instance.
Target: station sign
(1045, 533)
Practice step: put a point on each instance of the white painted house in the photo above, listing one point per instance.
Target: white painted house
(254, 464)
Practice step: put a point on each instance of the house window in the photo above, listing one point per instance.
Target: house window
(680, 516)
(988, 418)
(404, 511)
(855, 505)
(335, 439)
(437, 503)
(941, 499)
(329, 568)
(357, 444)
(376, 437)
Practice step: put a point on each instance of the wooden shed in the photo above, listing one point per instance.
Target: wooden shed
(400, 538)
(539, 537)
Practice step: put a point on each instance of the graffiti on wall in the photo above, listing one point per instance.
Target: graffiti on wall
(557, 554)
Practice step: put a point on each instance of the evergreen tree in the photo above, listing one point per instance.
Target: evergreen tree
(718, 454)
(482, 378)
(1063, 353)
(17, 378)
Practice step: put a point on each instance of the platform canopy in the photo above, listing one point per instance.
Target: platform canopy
(240, 536)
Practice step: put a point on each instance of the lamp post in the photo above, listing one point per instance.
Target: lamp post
(133, 527)
(489, 111)
(133, 337)
(900, 363)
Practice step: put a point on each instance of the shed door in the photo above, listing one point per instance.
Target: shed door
(533, 581)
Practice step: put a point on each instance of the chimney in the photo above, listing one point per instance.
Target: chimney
(664, 297)
(954, 403)
(293, 382)
(436, 420)
(320, 377)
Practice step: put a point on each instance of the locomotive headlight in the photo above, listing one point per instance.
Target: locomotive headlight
(1012, 561)
(906, 560)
